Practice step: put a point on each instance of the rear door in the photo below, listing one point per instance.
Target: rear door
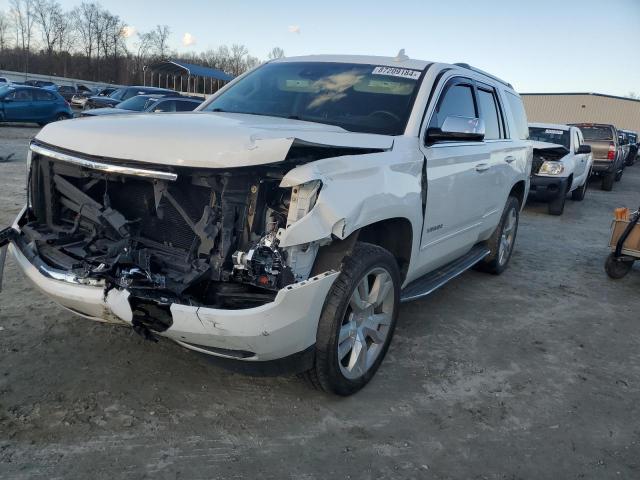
(19, 106)
(44, 104)
(502, 155)
(457, 175)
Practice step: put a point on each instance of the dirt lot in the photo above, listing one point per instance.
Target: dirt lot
(531, 375)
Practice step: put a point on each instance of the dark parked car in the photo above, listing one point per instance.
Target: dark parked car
(80, 99)
(124, 93)
(148, 103)
(32, 104)
(632, 141)
(68, 91)
(39, 83)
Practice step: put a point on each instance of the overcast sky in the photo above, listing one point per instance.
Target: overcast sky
(538, 46)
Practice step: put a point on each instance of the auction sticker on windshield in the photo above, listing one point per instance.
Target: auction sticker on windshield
(397, 72)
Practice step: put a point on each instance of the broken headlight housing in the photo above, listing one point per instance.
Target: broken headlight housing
(551, 168)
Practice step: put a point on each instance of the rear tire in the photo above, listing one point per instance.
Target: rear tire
(579, 193)
(503, 239)
(356, 324)
(618, 176)
(617, 269)
(607, 181)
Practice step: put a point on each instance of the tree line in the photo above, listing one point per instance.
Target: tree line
(89, 42)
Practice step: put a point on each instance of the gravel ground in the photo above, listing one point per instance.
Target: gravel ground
(531, 375)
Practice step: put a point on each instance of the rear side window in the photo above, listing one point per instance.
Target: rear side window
(165, 106)
(490, 113)
(182, 106)
(21, 96)
(519, 116)
(456, 101)
(44, 96)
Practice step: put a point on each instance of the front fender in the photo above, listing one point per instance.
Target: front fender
(357, 190)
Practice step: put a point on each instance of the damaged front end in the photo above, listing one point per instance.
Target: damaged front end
(187, 236)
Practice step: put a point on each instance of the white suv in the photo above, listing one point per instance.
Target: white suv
(286, 220)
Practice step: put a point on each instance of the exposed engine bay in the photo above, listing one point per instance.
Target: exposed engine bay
(206, 238)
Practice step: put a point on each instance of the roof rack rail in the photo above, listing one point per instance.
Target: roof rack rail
(482, 72)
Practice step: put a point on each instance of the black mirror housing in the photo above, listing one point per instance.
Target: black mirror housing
(584, 148)
(458, 129)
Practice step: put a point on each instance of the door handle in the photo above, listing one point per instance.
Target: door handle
(510, 159)
(481, 167)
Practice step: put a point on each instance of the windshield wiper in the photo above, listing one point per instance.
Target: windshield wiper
(218, 110)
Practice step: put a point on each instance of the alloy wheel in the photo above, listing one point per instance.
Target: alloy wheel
(366, 323)
(508, 236)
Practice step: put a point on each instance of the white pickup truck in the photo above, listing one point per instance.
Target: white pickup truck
(286, 220)
(562, 164)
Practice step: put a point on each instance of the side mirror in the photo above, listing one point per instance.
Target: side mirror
(458, 129)
(584, 148)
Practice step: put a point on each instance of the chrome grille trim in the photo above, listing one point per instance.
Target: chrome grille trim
(101, 166)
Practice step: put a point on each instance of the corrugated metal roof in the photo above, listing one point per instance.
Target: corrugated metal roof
(175, 67)
(587, 93)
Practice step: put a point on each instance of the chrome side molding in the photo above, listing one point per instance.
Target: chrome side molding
(101, 166)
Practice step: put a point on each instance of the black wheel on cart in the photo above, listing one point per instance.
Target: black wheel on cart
(617, 268)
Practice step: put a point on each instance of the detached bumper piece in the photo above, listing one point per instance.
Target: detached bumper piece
(547, 188)
(6, 236)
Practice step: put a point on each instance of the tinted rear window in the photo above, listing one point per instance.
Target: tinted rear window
(596, 133)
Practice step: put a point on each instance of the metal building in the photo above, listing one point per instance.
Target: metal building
(622, 112)
(184, 77)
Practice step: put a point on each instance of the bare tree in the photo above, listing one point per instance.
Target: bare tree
(275, 53)
(47, 14)
(144, 47)
(160, 41)
(4, 32)
(23, 18)
(238, 53)
(85, 22)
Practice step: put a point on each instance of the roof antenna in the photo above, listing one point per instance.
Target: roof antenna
(401, 57)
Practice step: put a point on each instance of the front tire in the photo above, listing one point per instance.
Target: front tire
(503, 239)
(357, 321)
(579, 193)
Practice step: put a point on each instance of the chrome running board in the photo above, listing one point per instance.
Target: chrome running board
(430, 282)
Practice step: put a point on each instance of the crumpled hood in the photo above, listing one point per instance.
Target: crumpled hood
(559, 150)
(198, 139)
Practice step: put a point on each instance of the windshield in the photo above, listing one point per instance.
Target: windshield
(117, 94)
(596, 133)
(358, 98)
(550, 135)
(135, 104)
